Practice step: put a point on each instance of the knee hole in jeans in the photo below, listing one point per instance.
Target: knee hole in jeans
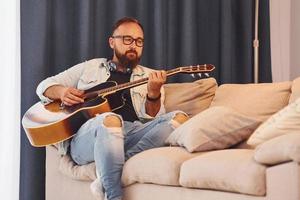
(112, 121)
(180, 118)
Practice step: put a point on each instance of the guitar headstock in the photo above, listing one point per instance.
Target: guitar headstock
(206, 68)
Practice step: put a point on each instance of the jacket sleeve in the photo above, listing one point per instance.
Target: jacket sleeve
(139, 96)
(68, 78)
(162, 109)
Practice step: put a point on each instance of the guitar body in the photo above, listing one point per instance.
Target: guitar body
(52, 123)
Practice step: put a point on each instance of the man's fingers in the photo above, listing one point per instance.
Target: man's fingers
(155, 75)
(151, 76)
(75, 98)
(69, 102)
(159, 76)
(77, 92)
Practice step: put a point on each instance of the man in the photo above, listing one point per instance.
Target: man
(111, 138)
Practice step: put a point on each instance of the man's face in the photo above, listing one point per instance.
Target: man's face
(128, 55)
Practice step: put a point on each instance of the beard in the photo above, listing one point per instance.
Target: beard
(128, 60)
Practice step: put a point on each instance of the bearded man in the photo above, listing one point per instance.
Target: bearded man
(140, 123)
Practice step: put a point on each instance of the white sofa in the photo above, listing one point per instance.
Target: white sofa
(174, 173)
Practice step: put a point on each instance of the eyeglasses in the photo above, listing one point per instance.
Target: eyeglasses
(128, 40)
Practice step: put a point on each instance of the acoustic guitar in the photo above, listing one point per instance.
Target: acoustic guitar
(55, 122)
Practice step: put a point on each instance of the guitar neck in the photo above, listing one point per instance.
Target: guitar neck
(134, 83)
(186, 69)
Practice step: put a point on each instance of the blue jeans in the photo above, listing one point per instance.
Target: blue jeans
(111, 147)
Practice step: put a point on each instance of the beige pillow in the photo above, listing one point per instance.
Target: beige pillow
(215, 128)
(255, 100)
(285, 121)
(191, 98)
(280, 149)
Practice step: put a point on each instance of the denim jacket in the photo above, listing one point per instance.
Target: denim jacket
(93, 72)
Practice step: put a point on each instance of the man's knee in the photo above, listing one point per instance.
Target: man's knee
(180, 118)
(112, 121)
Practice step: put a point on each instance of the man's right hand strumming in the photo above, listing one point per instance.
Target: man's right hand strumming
(68, 95)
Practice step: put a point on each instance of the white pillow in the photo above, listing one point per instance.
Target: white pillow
(280, 149)
(285, 121)
(215, 128)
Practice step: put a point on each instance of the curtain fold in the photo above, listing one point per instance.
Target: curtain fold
(58, 34)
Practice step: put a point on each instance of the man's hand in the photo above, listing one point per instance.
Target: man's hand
(71, 96)
(156, 80)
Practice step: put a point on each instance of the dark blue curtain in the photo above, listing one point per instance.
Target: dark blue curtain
(57, 34)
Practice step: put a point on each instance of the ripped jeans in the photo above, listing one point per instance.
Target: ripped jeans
(111, 147)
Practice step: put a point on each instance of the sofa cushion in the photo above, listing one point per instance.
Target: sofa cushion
(215, 128)
(227, 170)
(295, 90)
(285, 121)
(78, 172)
(280, 149)
(256, 100)
(191, 98)
(159, 166)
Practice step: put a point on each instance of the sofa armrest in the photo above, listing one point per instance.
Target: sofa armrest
(283, 181)
(278, 150)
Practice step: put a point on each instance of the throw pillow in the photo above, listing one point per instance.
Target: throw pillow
(295, 90)
(280, 149)
(191, 98)
(215, 128)
(285, 121)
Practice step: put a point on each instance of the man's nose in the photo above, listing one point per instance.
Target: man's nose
(132, 46)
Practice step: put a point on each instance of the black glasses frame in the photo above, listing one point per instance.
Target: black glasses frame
(128, 40)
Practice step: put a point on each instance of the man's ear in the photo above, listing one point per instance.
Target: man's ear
(111, 42)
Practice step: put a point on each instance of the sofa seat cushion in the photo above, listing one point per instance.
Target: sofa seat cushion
(231, 170)
(158, 166)
(255, 100)
(191, 98)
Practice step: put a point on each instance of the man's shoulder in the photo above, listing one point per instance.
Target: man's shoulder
(96, 62)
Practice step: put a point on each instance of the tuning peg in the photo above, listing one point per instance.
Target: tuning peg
(206, 74)
(199, 74)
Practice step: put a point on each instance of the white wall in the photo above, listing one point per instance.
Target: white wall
(10, 99)
(285, 39)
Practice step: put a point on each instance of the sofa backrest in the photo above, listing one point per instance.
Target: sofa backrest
(256, 100)
(191, 98)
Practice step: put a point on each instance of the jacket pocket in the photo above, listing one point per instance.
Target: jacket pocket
(88, 79)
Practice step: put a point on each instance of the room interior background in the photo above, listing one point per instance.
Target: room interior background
(10, 84)
(285, 40)
(58, 34)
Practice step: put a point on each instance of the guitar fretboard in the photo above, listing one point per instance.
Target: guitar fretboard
(186, 69)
